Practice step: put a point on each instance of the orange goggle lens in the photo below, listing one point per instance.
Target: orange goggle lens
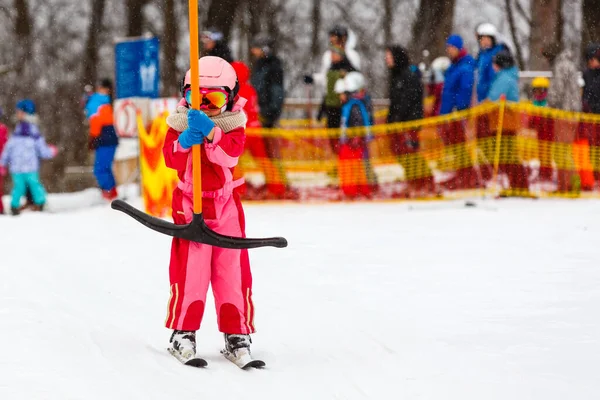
(210, 98)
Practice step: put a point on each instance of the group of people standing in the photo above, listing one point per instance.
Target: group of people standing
(493, 75)
(263, 87)
(455, 83)
(22, 151)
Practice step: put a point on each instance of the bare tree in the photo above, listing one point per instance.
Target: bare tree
(513, 33)
(316, 27)
(431, 27)
(590, 30)
(169, 49)
(546, 28)
(23, 33)
(388, 19)
(221, 14)
(135, 17)
(90, 60)
(255, 10)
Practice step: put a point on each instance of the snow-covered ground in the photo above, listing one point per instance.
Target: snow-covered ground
(372, 300)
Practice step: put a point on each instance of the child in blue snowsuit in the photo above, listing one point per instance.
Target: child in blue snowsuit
(22, 155)
(103, 137)
(356, 173)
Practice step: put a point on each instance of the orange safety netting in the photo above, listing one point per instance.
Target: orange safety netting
(496, 149)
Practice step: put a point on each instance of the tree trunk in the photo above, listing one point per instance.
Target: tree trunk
(23, 32)
(316, 28)
(256, 23)
(255, 11)
(90, 62)
(590, 29)
(221, 14)
(546, 28)
(169, 49)
(135, 17)
(432, 27)
(513, 33)
(388, 19)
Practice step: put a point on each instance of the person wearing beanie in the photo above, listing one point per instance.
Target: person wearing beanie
(456, 96)
(21, 156)
(267, 78)
(506, 84)
(103, 137)
(214, 44)
(339, 36)
(506, 80)
(459, 77)
(332, 104)
(339, 67)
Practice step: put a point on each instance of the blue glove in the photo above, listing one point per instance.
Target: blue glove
(199, 126)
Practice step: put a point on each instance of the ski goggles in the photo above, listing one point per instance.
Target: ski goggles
(210, 98)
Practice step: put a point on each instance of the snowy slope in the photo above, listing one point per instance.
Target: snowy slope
(379, 301)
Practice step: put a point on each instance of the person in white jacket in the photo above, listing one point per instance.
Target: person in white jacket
(339, 36)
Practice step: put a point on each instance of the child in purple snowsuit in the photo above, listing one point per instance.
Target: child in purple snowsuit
(22, 155)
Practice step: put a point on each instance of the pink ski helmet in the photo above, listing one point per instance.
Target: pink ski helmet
(215, 72)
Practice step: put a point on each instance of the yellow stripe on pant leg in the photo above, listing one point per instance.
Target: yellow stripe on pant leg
(250, 313)
(168, 305)
(169, 312)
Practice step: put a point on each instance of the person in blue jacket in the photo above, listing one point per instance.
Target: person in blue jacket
(506, 81)
(456, 96)
(103, 137)
(489, 46)
(459, 77)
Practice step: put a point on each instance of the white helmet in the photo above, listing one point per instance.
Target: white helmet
(487, 29)
(353, 82)
(441, 64)
(339, 87)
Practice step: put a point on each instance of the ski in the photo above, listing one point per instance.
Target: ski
(196, 362)
(244, 362)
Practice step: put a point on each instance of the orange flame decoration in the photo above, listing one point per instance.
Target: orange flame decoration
(158, 181)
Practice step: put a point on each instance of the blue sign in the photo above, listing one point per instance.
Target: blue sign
(137, 68)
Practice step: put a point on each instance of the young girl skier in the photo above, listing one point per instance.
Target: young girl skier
(220, 128)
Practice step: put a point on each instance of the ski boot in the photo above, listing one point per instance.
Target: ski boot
(15, 211)
(237, 350)
(110, 195)
(183, 345)
(37, 207)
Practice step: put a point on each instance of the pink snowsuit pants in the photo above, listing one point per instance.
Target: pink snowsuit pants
(194, 265)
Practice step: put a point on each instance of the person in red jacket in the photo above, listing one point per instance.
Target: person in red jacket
(275, 187)
(3, 140)
(219, 128)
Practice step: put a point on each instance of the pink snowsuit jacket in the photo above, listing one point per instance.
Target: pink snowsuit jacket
(193, 265)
